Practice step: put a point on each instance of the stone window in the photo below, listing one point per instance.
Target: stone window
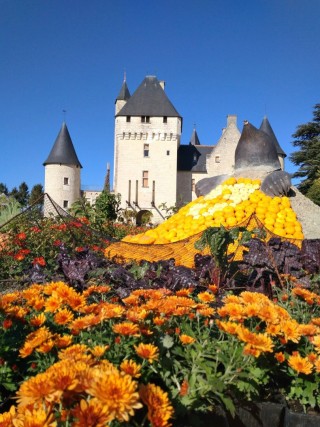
(128, 118)
(217, 159)
(165, 119)
(168, 152)
(145, 150)
(145, 179)
(145, 119)
(65, 181)
(65, 203)
(193, 184)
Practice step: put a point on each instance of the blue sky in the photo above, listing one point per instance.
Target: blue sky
(217, 57)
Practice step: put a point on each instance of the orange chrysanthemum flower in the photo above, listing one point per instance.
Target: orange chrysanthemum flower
(316, 343)
(213, 288)
(38, 337)
(186, 339)
(126, 328)
(131, 368)
(35, 390)
(38, 320)
(117, 391)
(37, 417)
(91, 413)
(136, 314)
(160, 410)
(53, 303)
(84, 322)
(63, 316)
(290, 330)
(159, 321)
(63, 376)
(300, 364)
(233, 310)
(280, 357)
(229, 327)
(308, 330)
(7, 417)
(63, 341)
(206, 312)
(147, 351)
(317, 365)
(99, 350)
(206, 296)
(76, 353)
(184, 292)
(46, 346)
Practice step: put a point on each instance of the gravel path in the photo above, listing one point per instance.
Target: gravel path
(308, 214)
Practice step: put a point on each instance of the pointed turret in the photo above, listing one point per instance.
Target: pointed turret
(266, 127)
(194, 138)
(256, 150)
(123, 96)
(62, 171)
(63, 151)
(124, 93)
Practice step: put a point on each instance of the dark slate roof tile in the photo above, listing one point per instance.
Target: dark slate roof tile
(149, 100)
(63, 151)
(193, 158)
(266, 127)
(124, 93)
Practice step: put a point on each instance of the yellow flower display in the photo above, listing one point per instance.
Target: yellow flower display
(229, 204)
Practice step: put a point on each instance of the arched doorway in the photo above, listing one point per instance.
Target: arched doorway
(144, 217)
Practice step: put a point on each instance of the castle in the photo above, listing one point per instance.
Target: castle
(151, 166)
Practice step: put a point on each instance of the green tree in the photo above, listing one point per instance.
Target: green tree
(3, 189)
(307, 138)
(35, 194)
(21, 194)
(314, 192)
(107, 206)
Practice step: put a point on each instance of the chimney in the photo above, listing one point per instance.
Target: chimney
(231, 119)
(162, 83)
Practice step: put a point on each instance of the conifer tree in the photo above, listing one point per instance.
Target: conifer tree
(307, 138)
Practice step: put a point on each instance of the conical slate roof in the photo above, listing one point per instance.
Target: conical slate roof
(63, 151)
(149, 100)
(266, 127)
(124, 93)
(194, 138)
(256, 150)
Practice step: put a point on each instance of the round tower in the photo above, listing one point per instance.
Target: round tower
(62, 171)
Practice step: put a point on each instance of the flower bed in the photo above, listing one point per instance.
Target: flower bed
(151, 358)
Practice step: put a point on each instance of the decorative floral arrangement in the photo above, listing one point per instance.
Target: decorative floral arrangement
(229, 204)
(151, 358)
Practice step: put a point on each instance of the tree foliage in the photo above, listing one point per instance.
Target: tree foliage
(21, 194)
(35, 194)
(307, 139)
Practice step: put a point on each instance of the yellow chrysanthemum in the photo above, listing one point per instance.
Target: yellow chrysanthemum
(117, 391)
(160, 410)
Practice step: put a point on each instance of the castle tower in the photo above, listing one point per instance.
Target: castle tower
(62, 171)
(147, 136)
(266, 127)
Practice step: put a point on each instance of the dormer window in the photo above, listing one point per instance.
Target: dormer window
(145, 119)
